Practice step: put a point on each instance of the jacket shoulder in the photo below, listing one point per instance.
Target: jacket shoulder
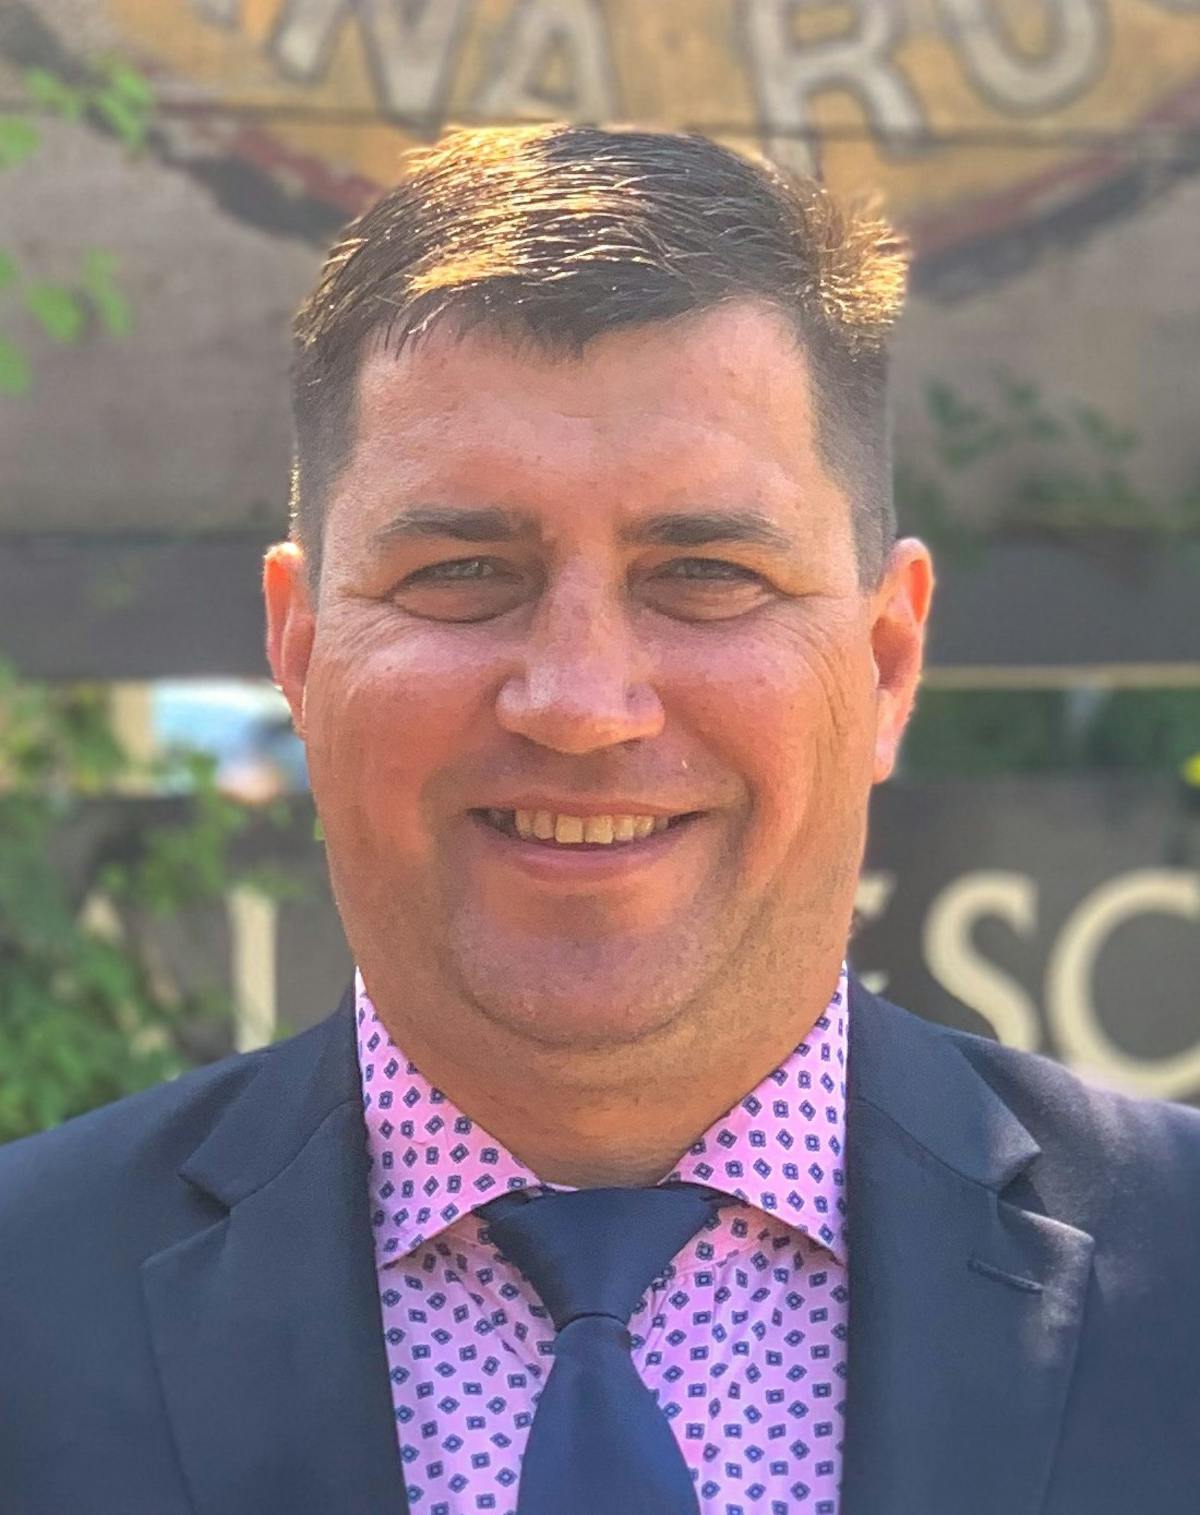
(121, 1143)
(1104, 1153)
(125, 1150)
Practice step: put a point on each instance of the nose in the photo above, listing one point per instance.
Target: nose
(582, 683)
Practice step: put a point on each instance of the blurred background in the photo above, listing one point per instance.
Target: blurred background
(170, 172)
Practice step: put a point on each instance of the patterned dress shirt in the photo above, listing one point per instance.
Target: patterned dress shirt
(742, 1340)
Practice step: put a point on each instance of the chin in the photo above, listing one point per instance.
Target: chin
(573, 1010)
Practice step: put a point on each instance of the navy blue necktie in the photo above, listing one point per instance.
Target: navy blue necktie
(599, 1444)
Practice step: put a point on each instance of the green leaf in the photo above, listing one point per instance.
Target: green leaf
(110, 304)
(1045, 428)
(54, 93)
(1018, 391)
(1100, 431)
(57, 310)
(1022, 396)
(8, 269)
(98, 266)
(129, 83)
(947, 408)
(18, 140)
(129, 121)
(15, 373)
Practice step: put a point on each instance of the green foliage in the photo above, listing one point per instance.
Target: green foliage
(1147, 728)
(118, 99)
(19, 139)
(54, 95)
(99, 286)
(1072, 470)
(1068, 470)
(983, 733)
(123, 100)
(57, 311)
(85, 1015)
(111, 92)
(15, 373)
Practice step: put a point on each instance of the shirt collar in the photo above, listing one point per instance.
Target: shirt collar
(780, 1149)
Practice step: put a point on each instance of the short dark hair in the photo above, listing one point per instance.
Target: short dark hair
(555, 234)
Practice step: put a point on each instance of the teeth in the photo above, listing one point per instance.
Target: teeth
(598, 828)
(568, 830)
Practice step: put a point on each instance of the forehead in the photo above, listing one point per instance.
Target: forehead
(688, 410)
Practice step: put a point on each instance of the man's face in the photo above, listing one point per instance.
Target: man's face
(593, 700)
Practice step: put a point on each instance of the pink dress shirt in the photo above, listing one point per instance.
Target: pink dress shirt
(742, 1340)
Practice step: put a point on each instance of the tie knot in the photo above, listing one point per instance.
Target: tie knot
(597, 1251)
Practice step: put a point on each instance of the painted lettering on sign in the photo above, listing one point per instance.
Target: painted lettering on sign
(1017, 104)
(1071, 1024)
(787, 73)
(556, 54)
(1069, 63)
(551, 56)
(407, 51)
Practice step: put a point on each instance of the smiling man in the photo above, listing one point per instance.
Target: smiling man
(608, 1189)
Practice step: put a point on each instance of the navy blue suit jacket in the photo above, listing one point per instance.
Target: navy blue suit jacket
(189, 1320)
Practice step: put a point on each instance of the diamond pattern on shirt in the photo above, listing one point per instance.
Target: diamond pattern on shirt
(742, 1340)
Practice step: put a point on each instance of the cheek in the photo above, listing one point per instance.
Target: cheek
(386, 724)
(790, 713)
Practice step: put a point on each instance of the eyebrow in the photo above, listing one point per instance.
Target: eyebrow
(672, 529)
(485, 524)
(703, 528)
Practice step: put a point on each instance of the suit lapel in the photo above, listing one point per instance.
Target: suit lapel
(965, 1309)
(266, 1324)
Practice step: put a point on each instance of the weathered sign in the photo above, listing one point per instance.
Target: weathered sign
(874, 92)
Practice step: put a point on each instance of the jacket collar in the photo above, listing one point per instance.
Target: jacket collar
(915, 1075)
(299, 1084)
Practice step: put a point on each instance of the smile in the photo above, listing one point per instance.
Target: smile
(556, 829)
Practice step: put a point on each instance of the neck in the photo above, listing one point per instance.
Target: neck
(592, 1138)
(620, 1117)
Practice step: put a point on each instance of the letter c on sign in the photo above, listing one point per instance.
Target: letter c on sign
(1070, 973)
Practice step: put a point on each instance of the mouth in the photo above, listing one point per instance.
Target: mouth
(557, 830)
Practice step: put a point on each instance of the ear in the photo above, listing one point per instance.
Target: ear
(291, 623)
(900, 610)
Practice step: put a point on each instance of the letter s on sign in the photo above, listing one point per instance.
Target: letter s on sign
(951, 957)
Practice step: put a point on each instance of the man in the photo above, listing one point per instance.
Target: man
(597, 632)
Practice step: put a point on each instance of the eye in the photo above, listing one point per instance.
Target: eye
(708, 570)
(462, 589)
(454, 571)
(704, 589)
